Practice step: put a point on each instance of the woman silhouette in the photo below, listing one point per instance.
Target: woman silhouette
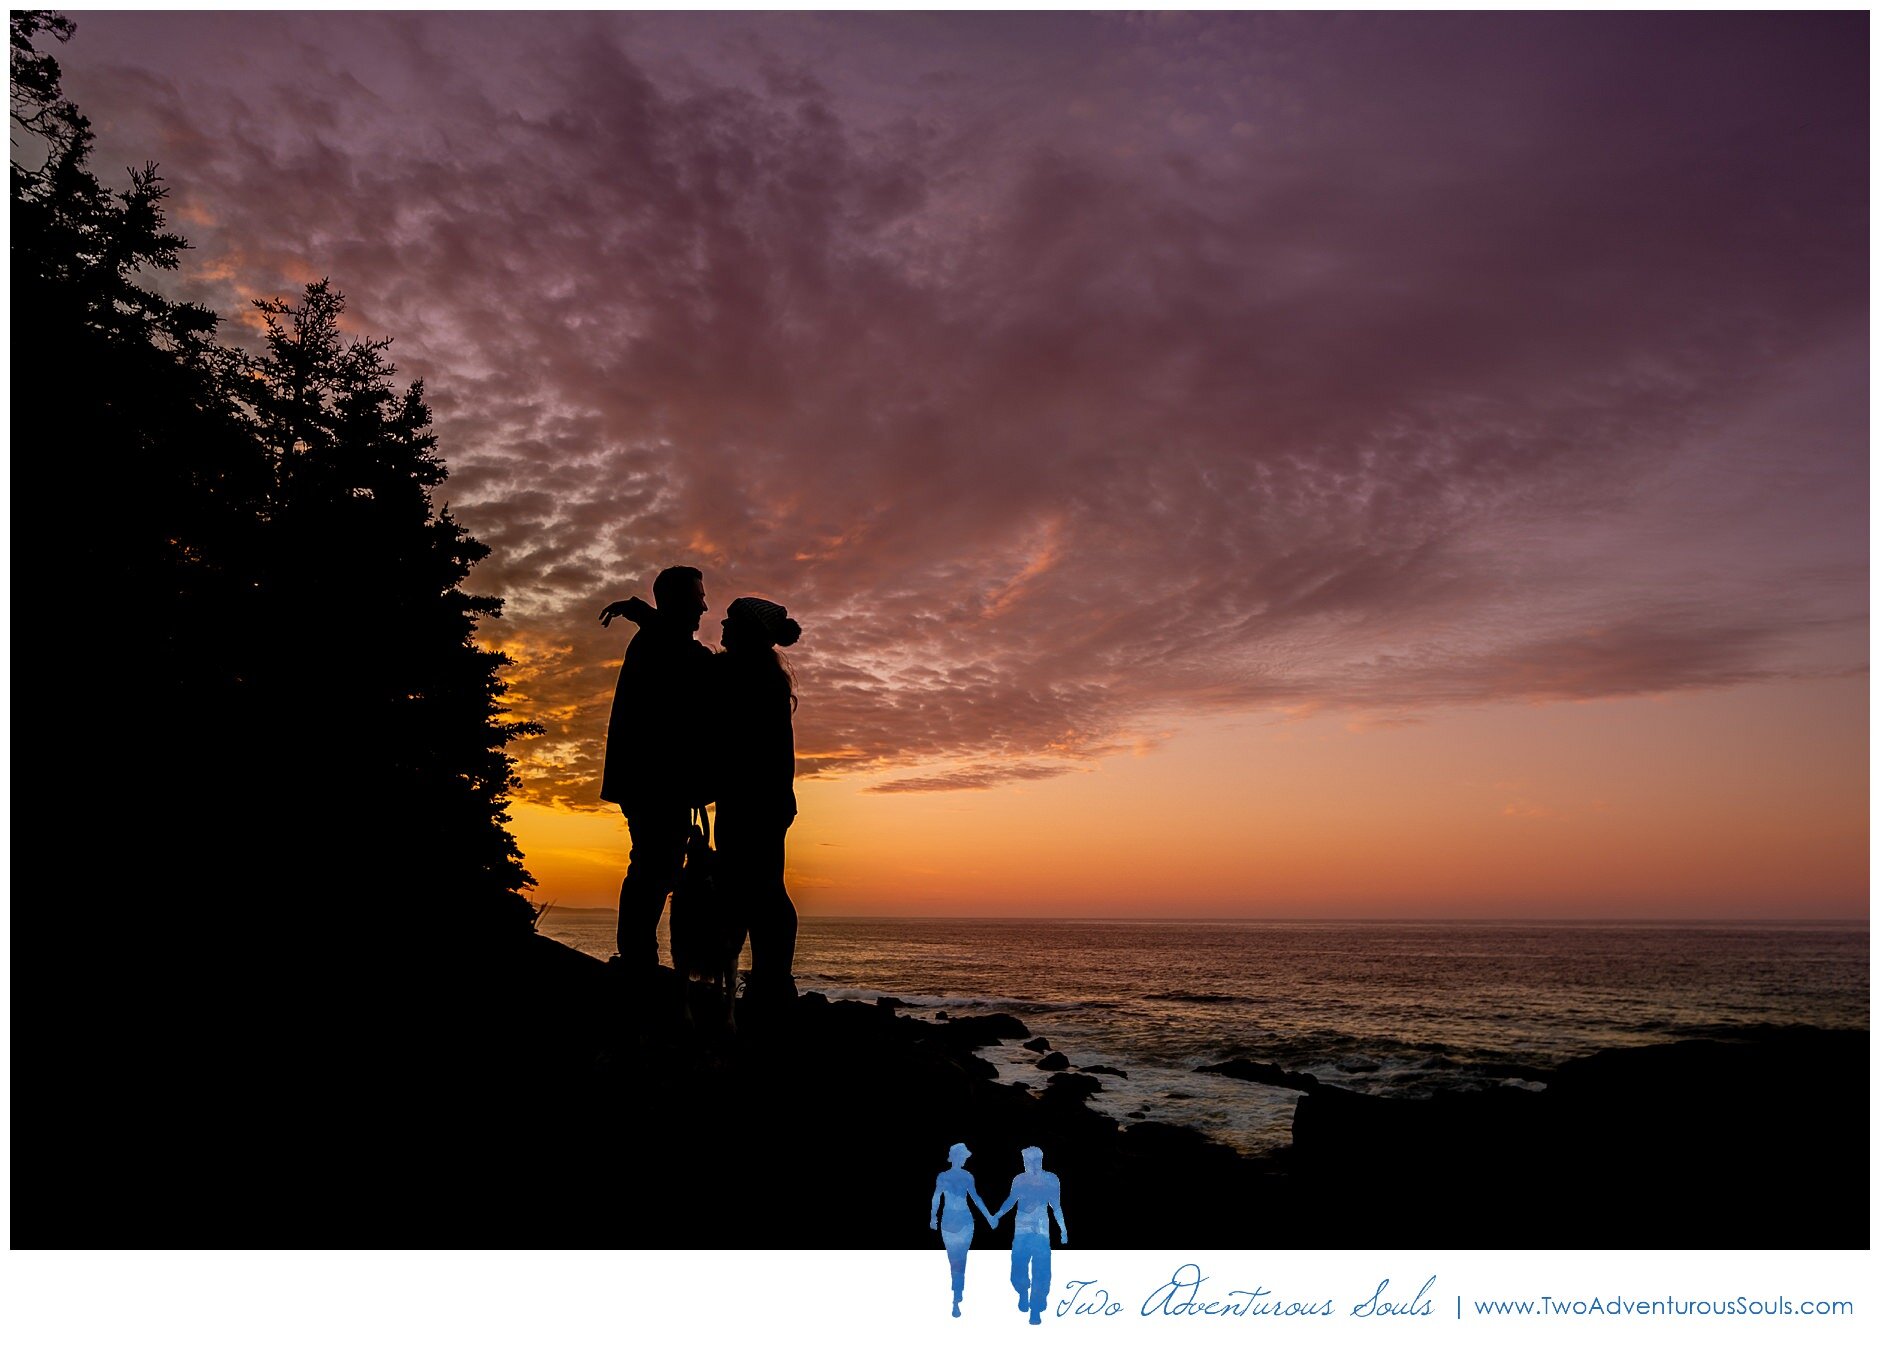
(756, 775)
(955, 1187)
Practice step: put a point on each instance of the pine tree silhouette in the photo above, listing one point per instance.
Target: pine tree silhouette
(248, 690)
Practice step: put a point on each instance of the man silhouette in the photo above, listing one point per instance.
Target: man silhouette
(651, 771)
(1035, 1192)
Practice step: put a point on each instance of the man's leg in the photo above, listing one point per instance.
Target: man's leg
(1040, 1276)
(653, 865)
(1031, 1271)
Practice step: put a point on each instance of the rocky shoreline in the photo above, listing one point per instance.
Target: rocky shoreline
(690, 1134)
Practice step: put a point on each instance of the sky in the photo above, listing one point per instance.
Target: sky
(1231, 464)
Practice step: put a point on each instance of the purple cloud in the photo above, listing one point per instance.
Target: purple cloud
(1064, 374)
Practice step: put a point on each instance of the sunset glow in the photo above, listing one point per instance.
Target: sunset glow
(1684, 807)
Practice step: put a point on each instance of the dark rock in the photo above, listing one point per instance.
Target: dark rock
(1107, 1071)
(976, 1066)
(1073, 1085)
(858, 1011)
(1750, 1139)
(982, 1031)
(1152, 1136)
(890, 1002)
(1514, 1071)
(1663, 1125)
(1266, 1074)
(966, 1061)
(1053, 1062)
(1039, 1044)
(940, 1015)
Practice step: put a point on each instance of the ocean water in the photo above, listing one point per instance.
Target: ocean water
(1400, 1009)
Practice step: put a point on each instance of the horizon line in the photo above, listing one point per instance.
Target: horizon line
(1315, 920)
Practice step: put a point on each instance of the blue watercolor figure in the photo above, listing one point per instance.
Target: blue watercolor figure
(1035, 1192)
(954, 1188)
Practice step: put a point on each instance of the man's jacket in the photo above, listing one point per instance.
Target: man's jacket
(655, 734)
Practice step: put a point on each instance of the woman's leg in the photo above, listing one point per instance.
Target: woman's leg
(958, 1240)
(772, 913)
(784, 947)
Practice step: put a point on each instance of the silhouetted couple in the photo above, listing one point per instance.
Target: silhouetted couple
(691, 727)
(1035, 1192)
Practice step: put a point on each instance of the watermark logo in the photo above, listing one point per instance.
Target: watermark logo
(1036, 1199)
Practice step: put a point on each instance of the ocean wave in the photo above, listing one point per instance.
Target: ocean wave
(1763, 1030)
(1050, 1007)
(963, 1005)
(1200, 998)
